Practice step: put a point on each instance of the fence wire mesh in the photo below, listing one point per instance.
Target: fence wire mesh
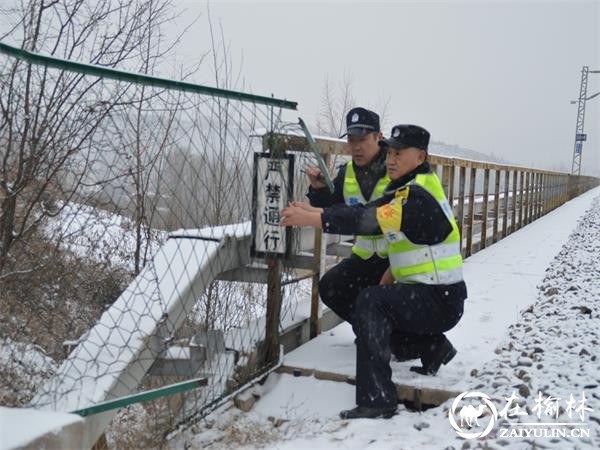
(122, 203)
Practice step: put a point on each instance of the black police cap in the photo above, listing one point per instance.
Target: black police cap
(361, 121)
(406, 136)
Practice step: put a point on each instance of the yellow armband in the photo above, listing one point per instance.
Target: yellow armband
(389, 216)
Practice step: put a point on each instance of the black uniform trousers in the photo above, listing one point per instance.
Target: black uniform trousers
(339, 289)
(340, 286)
(419, 312)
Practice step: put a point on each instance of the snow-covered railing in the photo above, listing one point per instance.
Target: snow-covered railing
(517, 196)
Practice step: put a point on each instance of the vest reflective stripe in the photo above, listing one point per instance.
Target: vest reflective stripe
(365, 246)
(433, 271)
(424, 253)
(428, 264)
(444, 277)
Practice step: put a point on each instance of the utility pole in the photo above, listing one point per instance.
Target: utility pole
(580, 136)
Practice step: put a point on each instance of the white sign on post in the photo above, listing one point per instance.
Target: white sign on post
(272, 183)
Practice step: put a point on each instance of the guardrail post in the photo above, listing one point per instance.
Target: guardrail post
(274, 294)
(451, 181)
(486, 185)
(521, 190)
(540, 195)
(461, 203)
(525, 200)
(545, 194)
(315, 321)
(471, 211)
(536, 181)
(496, 206)
(446, 182)
(506, 199)
(536, 191)
(513, 223)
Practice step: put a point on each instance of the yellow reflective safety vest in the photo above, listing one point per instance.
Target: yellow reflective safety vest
(429, 264)
(364, 246)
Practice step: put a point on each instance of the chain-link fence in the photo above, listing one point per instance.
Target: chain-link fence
(124, 199)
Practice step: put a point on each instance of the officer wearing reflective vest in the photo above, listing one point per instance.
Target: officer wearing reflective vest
(361, 180)
(421, 295)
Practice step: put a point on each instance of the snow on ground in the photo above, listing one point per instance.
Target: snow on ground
(104, 236)
(501, 280)
(24, 365)
(531, 324)
(19, 427)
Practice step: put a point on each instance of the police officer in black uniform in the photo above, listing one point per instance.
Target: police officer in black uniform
(340, 286)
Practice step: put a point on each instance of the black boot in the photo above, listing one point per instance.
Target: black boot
(367, 412)
(403, 349)
(441, 354)
(406, 353)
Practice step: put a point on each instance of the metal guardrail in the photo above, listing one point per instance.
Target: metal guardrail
(519, 196)
(138, 78)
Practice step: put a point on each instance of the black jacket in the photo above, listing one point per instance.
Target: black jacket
(367, 178)
(423, 220)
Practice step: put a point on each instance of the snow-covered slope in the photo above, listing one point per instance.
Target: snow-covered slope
(100, 235)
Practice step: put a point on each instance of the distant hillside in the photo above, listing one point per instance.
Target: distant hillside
(442, 149)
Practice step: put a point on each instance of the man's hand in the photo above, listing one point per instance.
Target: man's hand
(307, 207)
(387, 277)
(297, 216)
(315, 177)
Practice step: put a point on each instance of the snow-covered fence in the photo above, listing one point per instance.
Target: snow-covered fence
(509, 198)
(519, 195)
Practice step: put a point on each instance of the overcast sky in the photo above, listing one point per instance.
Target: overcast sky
(496, 77)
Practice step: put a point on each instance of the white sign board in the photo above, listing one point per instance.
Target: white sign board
(272, 183)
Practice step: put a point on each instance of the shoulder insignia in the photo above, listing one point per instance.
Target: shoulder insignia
(402, 194)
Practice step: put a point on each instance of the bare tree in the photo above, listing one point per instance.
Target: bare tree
(337, 100)
(208, 171)
(50, 119)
